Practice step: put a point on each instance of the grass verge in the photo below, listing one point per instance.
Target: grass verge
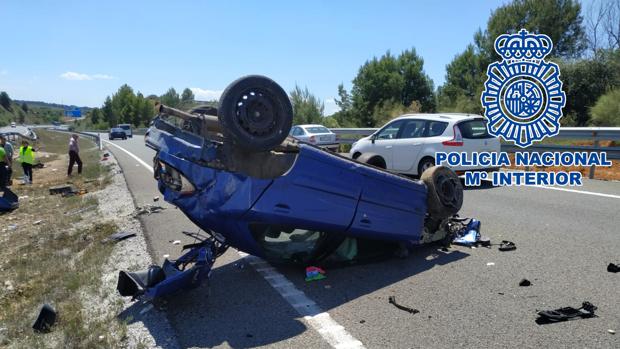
(52, 255)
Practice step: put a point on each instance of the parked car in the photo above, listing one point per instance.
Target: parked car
(127, 129)
(240, 179)
(408, 143)
(117, 132)
(318, 135)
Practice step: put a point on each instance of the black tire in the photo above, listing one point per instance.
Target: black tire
(255, 113)
(444, 192)
(372, 159)
(425, 164)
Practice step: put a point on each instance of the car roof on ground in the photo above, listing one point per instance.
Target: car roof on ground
(441, 116)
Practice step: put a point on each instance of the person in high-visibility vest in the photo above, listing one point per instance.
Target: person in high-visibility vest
(26, 157)
(3, 169)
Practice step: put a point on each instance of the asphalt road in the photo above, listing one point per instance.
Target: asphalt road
(466, 297)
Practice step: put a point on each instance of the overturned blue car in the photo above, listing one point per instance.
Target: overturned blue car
(237, 175)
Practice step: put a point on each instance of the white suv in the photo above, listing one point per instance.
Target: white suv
(408, 143)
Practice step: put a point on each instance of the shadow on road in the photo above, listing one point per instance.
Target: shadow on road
(240, 309)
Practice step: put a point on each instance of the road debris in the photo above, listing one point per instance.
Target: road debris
(314, 273)
(61, 189)
(147, 209)
(46, 319)
(176, 242)
(613, 268)
(469, 234)
(70, 213)
(392, 300)
(156, 198)
(611, 331)
(490, 264)
(121, 235)
(525, 283)
(565, 314)
(74, 192)
(507, 246)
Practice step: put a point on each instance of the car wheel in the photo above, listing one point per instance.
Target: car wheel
(255, 113)
(425, 164)
(372, 159)
(444, 192)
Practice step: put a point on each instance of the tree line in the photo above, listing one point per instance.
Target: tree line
(587, 51)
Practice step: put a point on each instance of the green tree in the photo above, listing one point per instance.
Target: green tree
(606, 111)
(187, 96)
(388, 80)
(307, 109)
(170, 98)
(465, 75)
(24, 107)
(5, 101)
(95, 116)
(108, 113)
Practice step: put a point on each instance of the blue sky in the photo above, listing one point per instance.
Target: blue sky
(78, 52)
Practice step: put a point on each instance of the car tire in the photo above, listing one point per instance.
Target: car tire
(372, 159)
(426, 163)
(444, 192)
(255, 113)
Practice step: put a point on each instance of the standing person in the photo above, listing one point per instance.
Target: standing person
(26, 157)
(8, 150)
(3, 169)
(74, 155)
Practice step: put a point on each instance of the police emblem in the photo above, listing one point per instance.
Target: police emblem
(523, 97)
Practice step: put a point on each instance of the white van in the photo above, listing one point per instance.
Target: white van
(126, 128)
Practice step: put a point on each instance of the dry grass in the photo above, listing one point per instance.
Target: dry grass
(57, 261)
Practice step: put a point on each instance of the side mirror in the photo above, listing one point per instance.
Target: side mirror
(373, 138)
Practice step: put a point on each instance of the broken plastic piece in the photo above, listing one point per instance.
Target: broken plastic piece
(46, 319)
(525, 282)
(469, 235)
(613, 268)
(8, 201)
(315, 273)
(121, 235)
(392, 300)
(61, 189)
(564, 314)
(507, 246)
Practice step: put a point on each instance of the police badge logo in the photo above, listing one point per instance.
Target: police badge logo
(523, 97)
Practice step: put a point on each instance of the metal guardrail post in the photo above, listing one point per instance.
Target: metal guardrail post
(592, 168)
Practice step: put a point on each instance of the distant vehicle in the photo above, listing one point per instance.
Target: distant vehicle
(56, 123)
(13, 124)
(117, 132)
(318, 135)
(127, 129)
(408, 143)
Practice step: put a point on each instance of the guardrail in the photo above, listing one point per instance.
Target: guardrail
(596, 134)
(93, 135)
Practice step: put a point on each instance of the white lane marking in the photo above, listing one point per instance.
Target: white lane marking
(570, 190)
(321, 321)
(140, 161)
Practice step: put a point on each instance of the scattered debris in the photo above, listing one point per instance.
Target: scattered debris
(507, 246)
(613, 268)
(166, 256)
(23, 197)
(37, 222)
(611, 331)
(567, 313)
(9, 201)
(121, 235)
(70, 213)
(176, 242)
(8, 285)
(12, 227)
(156, 198)
(46, 319)
(362, 321)
(147, 209)
(74, 193)
(469, 234)
(392, 300)
(102, 337)
(525, 282)
(490, 264)
(315, 273)
(61, 189)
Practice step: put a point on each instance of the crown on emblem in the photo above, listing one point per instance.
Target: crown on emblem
(523, 46)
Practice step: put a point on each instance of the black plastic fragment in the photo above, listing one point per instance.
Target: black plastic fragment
(121, 235)
(565, 314)
(507, 246)
(613, 268)
(46, 319)
(392, 300)
(525, 282)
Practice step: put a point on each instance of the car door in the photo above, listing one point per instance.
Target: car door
(384, 140)
(408, 144)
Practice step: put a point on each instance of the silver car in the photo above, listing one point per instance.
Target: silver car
(318, 135)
